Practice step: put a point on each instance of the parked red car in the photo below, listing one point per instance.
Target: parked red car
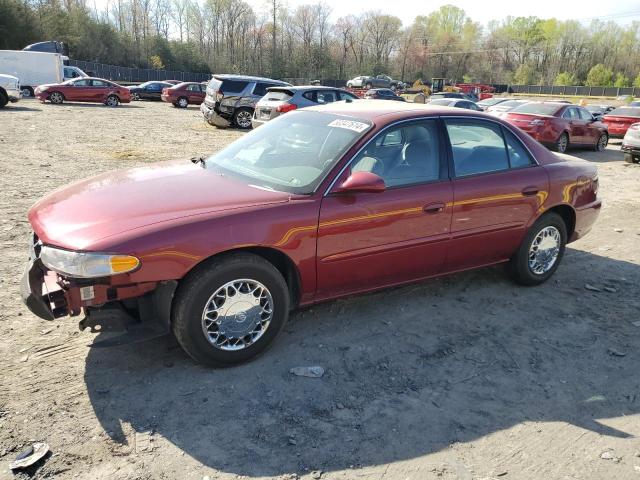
(559, 125)
(84, 89)
(320, 203)
(184, 94)
(620, 119)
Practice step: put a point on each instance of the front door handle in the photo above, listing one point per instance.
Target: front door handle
(530, 191)
(434, 208)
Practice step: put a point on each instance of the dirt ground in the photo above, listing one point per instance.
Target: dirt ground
(463, 377)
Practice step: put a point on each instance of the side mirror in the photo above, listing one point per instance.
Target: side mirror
(362, 182)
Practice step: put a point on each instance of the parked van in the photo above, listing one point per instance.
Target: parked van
(36, 68)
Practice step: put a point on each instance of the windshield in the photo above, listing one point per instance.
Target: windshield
(626, 112)
(291, 153)
(537, 108)
(595, 108)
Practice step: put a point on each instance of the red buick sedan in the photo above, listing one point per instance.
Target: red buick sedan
(317, 204)
(84, 89)
(620, 119)
(559, 125)
(184, 94)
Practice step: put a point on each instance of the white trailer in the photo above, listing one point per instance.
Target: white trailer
(36, 68)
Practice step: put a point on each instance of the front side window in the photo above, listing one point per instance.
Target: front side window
(407, 154)
(326, 96)
(291, 153)
(585, 114)
(477, 146)
(194, 88)
(82, 83)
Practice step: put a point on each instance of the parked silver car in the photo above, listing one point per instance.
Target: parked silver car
(631, 144)
(279, 100)
(456, 102)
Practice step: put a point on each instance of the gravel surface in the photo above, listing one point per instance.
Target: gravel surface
(463, 377)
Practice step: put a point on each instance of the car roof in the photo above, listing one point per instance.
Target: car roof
(381, 111)
(230, 76)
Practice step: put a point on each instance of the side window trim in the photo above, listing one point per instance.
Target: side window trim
(444, 151)
(532, 162)
(452, 168)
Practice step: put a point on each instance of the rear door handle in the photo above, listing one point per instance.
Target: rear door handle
(434, 208)
(530, 191)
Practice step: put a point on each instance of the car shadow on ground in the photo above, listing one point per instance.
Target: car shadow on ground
(611, 154)
(20, 108)
(93, 105)
(409, 371)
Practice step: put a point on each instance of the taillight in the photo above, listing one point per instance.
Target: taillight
(286, 107)
(537, 122)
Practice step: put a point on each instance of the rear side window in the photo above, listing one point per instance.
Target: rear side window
(100, 83)
(193, 88)
(261, 88)
(477, 146)
(518, 155)
(233, 86)
(279, 96)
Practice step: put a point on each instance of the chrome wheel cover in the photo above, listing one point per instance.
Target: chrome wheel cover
(237, 314)
(244, 119)
(26, 92)
(112, 101)
(183, 102)
(544, 250)
(135, 96)
(55, 97)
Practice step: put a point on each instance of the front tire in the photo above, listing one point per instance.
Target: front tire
(242, 118)
(3, 99)
(562, 143)
(229, 310)
(601, 144)
(56, 98)
(541, 251)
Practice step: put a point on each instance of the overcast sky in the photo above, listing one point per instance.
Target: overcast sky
(622, 11)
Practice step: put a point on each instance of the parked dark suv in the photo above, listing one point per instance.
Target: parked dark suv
(231, 99)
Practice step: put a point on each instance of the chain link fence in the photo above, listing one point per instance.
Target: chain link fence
(575, 90)
(135, 75)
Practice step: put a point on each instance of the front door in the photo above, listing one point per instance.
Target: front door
(369, 240)
(498, 190)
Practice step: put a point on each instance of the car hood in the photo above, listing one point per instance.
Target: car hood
(77, 216)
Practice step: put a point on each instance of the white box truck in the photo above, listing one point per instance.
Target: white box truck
(36, 68)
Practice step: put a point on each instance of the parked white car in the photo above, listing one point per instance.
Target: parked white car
(631, 144)
(357, 82)
(9, 89)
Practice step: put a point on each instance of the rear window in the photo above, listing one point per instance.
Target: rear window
(536, 108)
(626, 112)
(278, 95)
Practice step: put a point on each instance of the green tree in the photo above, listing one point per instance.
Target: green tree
(466, 78)
(636, 82)
(600, 76)
(621, 81)
(565, 79)
(524, 75)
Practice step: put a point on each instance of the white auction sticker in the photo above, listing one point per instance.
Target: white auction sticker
(350, 125)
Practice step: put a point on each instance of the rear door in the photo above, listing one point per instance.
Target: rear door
(577, 126)
(591, 130)
(100, 90)
(498, 188)
(369, 240)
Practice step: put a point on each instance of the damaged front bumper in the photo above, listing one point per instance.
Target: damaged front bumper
(107, 307)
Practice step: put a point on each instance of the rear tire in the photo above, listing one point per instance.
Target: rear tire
(209, 291)
(562, 143)
(182, 102)
(27, 92)
(112, 101)
(242, 118)
(531, 264)
(3, 99)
